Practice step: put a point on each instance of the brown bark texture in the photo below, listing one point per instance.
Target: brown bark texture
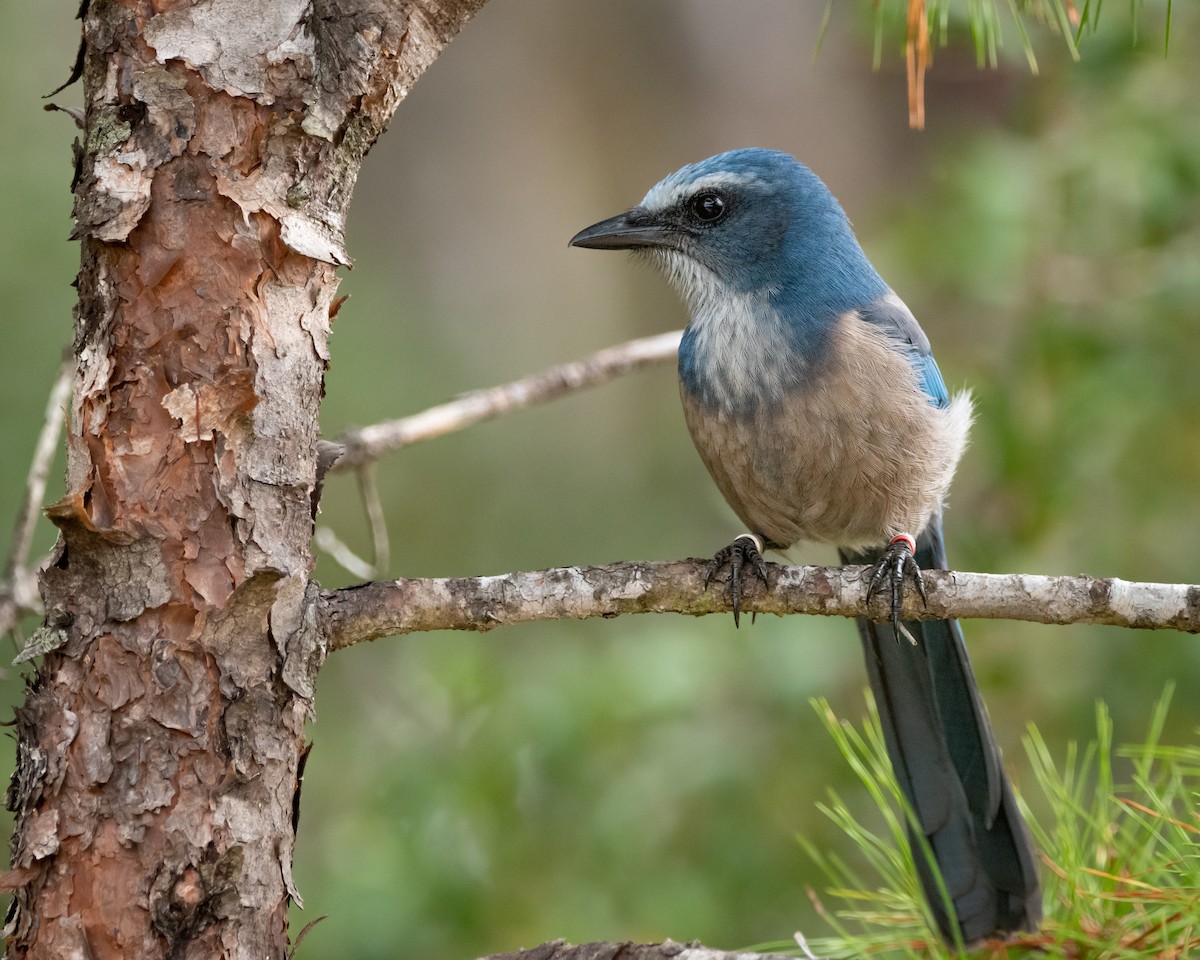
(161, 741)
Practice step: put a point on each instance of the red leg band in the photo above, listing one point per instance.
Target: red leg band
(906, 539)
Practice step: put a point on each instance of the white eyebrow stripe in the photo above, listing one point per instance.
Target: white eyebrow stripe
(670, 191)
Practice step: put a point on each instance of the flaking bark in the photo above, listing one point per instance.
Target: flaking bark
(159, 744)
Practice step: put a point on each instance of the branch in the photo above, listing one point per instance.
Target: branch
(369, 443)
(333, 545)
(18, 585)
(669, 950)
(388, 608)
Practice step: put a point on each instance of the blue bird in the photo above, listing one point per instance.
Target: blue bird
(815, 403)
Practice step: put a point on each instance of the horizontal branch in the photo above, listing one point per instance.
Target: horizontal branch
(361, 446)
(668, 950)
(388, 608)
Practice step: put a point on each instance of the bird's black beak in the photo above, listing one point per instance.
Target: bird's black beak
(627, 231)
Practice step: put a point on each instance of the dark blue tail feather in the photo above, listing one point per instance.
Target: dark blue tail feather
(949, 768)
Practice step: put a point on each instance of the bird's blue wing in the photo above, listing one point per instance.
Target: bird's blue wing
(931, 379)
(897, 321)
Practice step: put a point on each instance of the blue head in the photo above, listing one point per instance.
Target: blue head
(749, 235)
(759, 222)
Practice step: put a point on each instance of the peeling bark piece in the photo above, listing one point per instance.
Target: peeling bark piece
(42, 641)
(205, 408)
(239, 46)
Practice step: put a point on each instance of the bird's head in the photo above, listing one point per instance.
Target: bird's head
(749, 221)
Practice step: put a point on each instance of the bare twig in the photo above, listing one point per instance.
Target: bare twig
(380, 545)
(18, 584)
(340, 553)
(916, 53)
(368, 443)
(381, 609)
(669, 950)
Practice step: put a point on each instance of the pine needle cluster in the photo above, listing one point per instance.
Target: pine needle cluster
(1120, 850)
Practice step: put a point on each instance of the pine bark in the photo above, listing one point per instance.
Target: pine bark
(161, 742)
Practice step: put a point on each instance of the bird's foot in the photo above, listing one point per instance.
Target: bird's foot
(745, 549)
(895, 566)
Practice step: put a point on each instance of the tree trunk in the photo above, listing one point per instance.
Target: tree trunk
(161, 741)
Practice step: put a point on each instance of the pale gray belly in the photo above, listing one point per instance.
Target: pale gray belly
(851, 460)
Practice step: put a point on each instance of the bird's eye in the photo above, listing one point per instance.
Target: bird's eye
(707, 207)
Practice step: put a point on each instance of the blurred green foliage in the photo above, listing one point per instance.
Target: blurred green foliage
(646, 777)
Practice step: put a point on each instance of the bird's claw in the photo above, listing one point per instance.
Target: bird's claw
(745, 549)
(895, 566)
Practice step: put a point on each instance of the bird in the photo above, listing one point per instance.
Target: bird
(813, 398)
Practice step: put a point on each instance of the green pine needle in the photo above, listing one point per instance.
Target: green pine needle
(983, 21)
(1120, 860)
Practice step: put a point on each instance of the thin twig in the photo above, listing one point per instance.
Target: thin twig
(380, 545)
(340, 553)
(18, 584)
(388, 608)
(916, 52)
(368, 443)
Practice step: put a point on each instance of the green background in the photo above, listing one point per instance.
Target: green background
(645, 777)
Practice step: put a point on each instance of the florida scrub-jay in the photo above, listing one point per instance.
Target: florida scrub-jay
(815, 403)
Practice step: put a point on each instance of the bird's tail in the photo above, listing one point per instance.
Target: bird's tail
(948, 765)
